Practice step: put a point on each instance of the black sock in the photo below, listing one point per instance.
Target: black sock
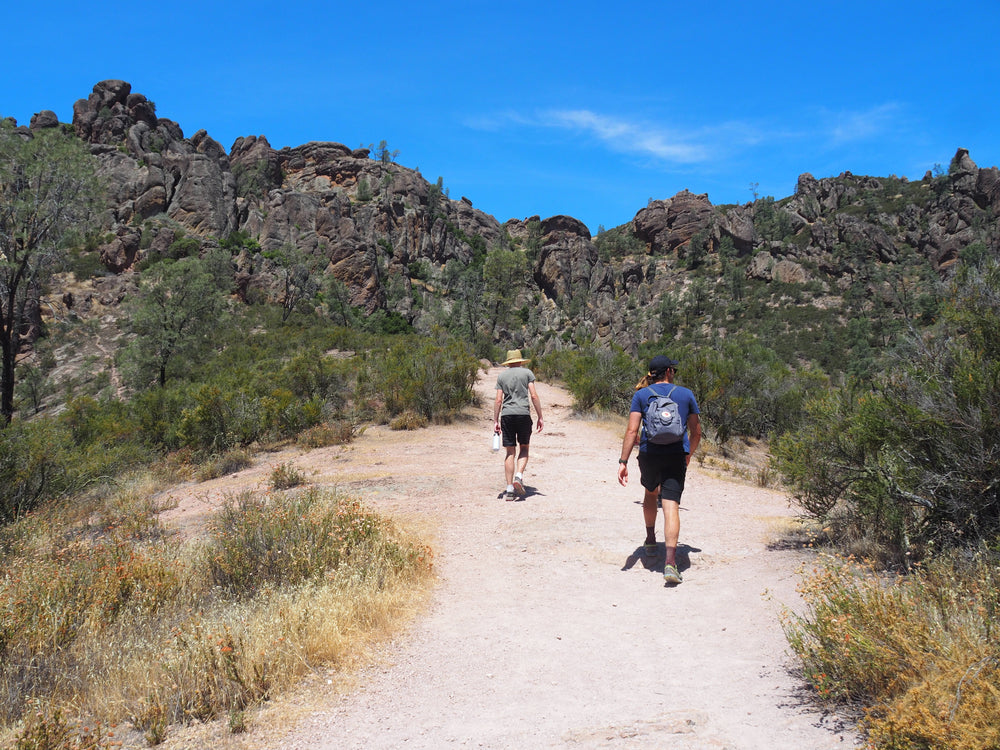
(650, 535)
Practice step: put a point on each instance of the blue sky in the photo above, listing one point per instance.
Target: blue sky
(581, 108)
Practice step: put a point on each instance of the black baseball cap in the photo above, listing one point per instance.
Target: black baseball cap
(660, 363)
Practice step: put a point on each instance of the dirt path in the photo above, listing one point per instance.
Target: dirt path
(548, 628)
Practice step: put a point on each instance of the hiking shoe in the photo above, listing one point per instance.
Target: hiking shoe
(650, 549)
(508, 496)
(518, 485)
(671, 574)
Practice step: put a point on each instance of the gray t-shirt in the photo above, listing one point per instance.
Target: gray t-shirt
(513, 381)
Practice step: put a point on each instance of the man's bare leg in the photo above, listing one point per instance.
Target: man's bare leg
(508, 466)
(671, 529)
(522, 461)
(649, 502)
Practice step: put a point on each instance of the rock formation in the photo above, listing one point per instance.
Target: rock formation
(394, 240)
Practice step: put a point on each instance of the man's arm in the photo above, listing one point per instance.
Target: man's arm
(537, 402)
(694, 434)
(628, 442)
(496, 410)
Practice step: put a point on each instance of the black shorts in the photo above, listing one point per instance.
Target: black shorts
(516, 429)
(663, 470)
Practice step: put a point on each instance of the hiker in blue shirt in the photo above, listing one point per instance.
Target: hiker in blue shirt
(662, 466)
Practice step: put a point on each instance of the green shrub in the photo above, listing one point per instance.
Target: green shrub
(743, 388)
(387, 323)
(601, 378)
(32, 466)
(617, 243)
(158, 413)
(913, 461)
(90, 442)
(434, 380)
(221, 419)
(285, 476)
(311, 375)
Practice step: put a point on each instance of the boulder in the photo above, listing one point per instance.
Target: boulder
(119, 254)
(44, 119)
(667, 225)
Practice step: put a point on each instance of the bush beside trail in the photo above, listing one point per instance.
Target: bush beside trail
(110, 619)
(905, 472)
(910, 465)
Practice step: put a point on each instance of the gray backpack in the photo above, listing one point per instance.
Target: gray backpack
(662, 420)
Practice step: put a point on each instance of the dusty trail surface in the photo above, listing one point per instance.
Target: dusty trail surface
(548, 627)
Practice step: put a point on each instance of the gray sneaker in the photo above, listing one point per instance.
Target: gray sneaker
(671, 574)
(519, 485)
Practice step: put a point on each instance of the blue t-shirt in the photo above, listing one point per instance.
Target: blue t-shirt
(686, 405)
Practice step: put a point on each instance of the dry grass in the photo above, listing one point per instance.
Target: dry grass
(408, 420)
(336, 432)
(108, 621)
(219, 466)
(920, 653)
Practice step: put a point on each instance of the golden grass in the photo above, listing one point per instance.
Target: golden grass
(109, 621)
(920, 653)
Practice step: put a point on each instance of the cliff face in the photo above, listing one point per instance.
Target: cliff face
(396, 242)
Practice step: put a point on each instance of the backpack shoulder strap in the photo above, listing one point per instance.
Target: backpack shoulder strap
(657, 393)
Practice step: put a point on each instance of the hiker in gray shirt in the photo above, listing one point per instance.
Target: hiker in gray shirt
(512, 416)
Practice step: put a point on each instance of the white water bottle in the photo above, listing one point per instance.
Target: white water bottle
(496, 442)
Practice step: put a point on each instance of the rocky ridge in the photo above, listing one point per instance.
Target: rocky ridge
(394, 240)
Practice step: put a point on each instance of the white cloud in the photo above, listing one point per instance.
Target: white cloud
(713, 143)
(847, 127)
(632, 137)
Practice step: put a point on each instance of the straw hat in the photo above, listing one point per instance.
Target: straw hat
(514, 357)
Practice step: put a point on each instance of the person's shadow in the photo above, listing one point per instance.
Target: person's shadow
(655, 562)
(529, 491)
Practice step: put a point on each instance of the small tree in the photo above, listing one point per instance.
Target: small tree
(295, 273)
(505, 275)
(178, 305)
(435, 194)
(364, 191)
(336, 299)
(384, 156)
(49, 194)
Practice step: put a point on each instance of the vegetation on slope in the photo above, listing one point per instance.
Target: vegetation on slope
(875, 383)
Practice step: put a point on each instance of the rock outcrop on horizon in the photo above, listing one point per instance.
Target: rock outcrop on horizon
(394, 240)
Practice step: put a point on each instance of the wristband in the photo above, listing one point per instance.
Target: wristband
(622, 461)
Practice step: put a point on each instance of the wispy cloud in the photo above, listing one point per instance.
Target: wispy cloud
(629, 136)
(849, 127)
(711, 143)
